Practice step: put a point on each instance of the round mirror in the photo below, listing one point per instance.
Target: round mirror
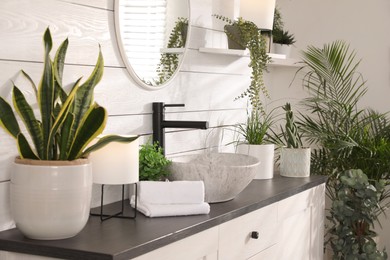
(152, 37)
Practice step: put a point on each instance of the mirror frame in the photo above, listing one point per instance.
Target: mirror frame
(126, 61)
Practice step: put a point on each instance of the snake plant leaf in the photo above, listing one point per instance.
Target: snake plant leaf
(27, 115)
(58, 69)
(24, 148)
(65, 142)
(84, 95)
(62, 115)
(91, 126)
(106, 140)
(7, 119)
(46, 96)
(31, 81)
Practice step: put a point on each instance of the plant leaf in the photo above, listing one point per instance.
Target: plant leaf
(24, 148)
(91, 126)
(31, 81)
(32, 124)
(106, 140)
(7, 119)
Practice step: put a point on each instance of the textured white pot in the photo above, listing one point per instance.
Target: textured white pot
(51, 199)
(295, 162)
(265, 154)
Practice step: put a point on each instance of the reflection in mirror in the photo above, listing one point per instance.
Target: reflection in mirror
(152, 35)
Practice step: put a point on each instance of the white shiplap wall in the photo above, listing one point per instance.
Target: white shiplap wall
(207, 83)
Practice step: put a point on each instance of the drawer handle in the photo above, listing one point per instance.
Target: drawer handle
(255, 235)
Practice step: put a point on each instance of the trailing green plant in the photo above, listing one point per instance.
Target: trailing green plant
(153, 165)
(255, 130)
(69, 121)
(281, 36)
(290, 133)
(352, 217)
(169, 61)
(250, 37)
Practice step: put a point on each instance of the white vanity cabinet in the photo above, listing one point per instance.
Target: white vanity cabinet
(292, 228)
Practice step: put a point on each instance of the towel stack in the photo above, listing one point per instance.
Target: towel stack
(177, 198)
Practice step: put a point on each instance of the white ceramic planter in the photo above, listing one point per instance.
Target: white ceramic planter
(282, 49)
(265, 154)
(295, 162)
(51, 199)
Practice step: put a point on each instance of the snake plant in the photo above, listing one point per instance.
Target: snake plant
(69, 121)
(291, 135)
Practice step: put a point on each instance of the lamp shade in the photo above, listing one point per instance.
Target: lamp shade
(116, 163)
(261, 12)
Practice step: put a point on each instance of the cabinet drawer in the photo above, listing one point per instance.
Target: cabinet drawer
(235, 241)
(201, 246)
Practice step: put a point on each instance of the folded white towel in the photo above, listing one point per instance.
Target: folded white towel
(167, 210)
(175, 192)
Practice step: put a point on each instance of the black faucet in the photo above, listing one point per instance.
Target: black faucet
(159, 123)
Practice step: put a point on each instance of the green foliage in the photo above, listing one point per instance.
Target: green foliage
(68, 123)
(153, 165)
(256, 128)
(278, 21)
(250, 37)
(169, 61)
(352, 215)
(290, 132)
(348, 137)
(279, 34)
(283, 37)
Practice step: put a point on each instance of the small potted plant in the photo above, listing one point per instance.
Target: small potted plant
(153, 165)
(281, 38)
(51, 182)
(294, 159)
(249, 37)
(256, 143)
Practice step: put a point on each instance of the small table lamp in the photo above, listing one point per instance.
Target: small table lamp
(261, 12)
(116, 164)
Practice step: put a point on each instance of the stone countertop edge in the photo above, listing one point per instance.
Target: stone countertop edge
(88, 244)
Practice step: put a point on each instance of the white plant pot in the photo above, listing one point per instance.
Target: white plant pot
(265, 154)
(282, 49)
(51, 199)
(295, 162)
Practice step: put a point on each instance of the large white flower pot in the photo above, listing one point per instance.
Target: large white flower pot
(295, 162)
(282, 49)
(265, 154)
(51, 199)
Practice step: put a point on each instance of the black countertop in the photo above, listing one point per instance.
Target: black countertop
(127, 238)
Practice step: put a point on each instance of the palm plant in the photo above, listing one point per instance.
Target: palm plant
(69, 121)
(348, 137)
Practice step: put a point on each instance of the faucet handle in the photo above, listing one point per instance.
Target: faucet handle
(174, 105)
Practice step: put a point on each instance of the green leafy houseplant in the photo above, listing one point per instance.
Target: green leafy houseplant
(69, 121)
(169, 61)
(281, 36)
(352, 213)
(153, 165)
(347, 137)
(250, 37)
(290, 133)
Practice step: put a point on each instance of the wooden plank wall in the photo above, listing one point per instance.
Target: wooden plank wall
(207, 83)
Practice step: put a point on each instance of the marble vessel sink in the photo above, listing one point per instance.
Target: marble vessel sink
(224, 175)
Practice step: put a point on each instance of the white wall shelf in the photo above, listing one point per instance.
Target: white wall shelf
(172, 50)
(277, 59)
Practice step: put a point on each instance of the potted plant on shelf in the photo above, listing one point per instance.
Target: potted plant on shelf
(346, 136)
(51, 184)
(281, 38)
(294, 159)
